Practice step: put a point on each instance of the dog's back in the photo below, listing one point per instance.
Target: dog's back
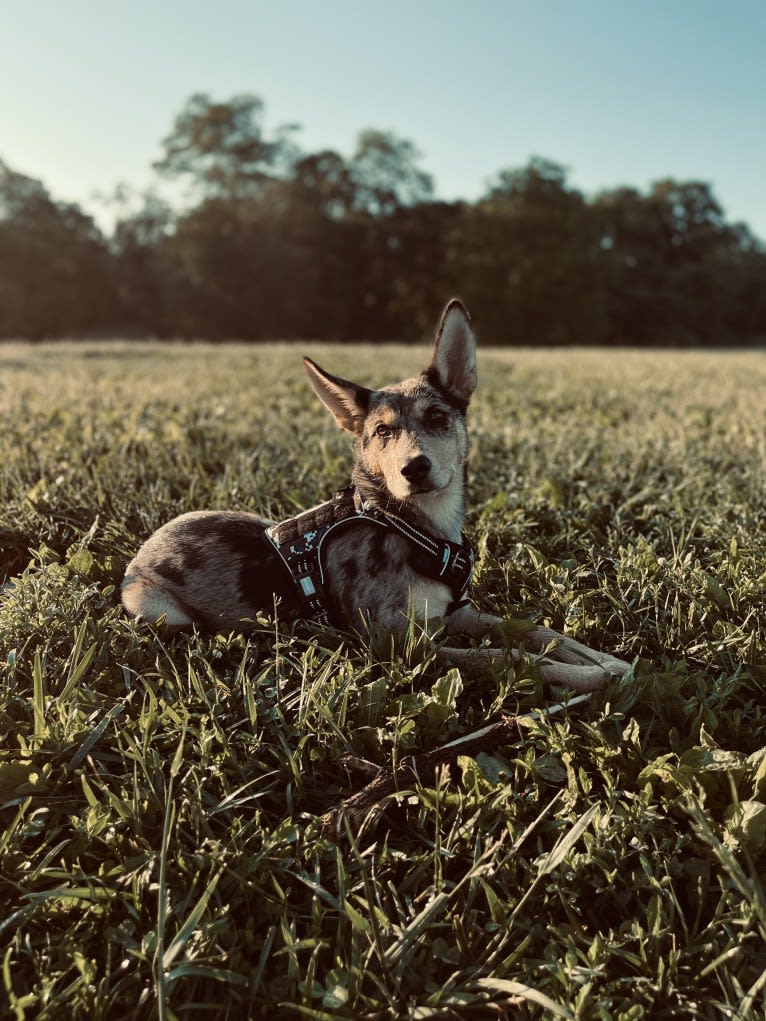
(215, 569)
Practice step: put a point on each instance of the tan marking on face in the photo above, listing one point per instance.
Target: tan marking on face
(408, 422)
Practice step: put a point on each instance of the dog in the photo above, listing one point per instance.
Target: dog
(388, 546)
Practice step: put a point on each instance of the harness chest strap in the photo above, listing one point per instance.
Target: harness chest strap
(298, 541)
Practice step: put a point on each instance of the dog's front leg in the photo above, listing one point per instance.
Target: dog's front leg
(568, 661)
(576, 676)
(467, 620)
(568, 650)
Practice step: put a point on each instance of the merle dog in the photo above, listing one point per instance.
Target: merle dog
(389, 545)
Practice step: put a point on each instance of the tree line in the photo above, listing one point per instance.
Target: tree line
(273, 242)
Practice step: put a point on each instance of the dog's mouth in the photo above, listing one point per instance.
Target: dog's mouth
(418, 488)
(424, 488)
(401, 488)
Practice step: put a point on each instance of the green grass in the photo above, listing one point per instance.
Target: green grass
(161, 847)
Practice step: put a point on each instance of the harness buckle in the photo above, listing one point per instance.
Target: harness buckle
(458, 561)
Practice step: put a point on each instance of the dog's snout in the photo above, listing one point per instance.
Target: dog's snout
(417, 468)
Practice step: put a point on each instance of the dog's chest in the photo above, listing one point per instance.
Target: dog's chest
(370, 571)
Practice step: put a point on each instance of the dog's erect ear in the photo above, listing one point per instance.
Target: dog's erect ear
(347, 401)
(453, 363)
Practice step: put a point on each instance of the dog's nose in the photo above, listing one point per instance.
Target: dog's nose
(417, 468)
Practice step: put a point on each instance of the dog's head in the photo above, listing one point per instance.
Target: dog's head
(411, 437)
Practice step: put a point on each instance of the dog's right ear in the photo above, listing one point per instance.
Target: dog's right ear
(348, 401)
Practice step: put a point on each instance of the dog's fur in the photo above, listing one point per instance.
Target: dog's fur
(217, 569)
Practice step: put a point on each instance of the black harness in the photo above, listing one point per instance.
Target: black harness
(299, 542)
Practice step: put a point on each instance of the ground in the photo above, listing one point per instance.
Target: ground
(162, 852)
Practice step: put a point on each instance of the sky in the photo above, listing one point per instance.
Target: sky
(618, 92)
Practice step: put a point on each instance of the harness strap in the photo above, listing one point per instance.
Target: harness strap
(298, 541)
(451, 562)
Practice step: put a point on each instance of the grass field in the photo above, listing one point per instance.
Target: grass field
(161, 845)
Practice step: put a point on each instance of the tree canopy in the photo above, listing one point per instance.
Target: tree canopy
(275, 242)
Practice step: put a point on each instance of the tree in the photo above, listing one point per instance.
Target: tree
(746, 314)
(324, 181)
(668, 260)
(55, 268)
(222, 147)
(389, 194)
(274, 242)
(143, 278)
(526, 255)
(385, 174)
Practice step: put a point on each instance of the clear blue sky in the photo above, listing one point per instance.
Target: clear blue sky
(620, 93)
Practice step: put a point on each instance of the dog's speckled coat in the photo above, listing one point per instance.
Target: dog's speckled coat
(218, 569)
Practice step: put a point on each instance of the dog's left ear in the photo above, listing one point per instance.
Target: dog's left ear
(348, 401)
(453, 363)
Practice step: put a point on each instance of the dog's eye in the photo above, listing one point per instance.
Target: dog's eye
(436, 418)
(382, 430)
